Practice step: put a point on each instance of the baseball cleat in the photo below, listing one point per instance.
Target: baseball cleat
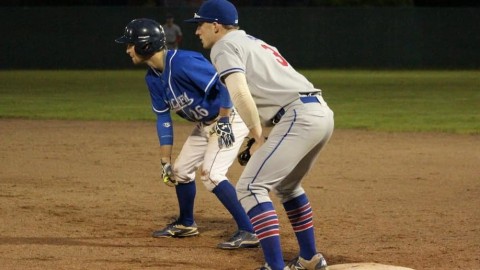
(177, 230)
(241, 239)
(317, 262)
(266, 267)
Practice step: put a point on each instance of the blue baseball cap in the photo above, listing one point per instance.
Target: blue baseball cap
(220, 11)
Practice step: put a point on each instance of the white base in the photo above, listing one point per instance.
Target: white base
(365, 266)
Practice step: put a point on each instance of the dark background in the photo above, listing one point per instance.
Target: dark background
(339, 34)
(240, 3)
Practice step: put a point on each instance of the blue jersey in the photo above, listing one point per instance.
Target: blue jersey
(189, 86)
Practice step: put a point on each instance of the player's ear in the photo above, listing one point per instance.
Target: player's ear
(216, 27)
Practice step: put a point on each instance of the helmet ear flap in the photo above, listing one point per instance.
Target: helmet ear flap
(149, 47)
(144, 48)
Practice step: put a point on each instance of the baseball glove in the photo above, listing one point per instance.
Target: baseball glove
(244, 156)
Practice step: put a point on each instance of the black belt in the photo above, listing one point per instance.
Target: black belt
(304, 99)
(210, 121)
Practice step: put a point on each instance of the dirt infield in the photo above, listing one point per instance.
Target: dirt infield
(87, 195)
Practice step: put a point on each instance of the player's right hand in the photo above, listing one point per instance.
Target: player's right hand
(224, 131)
(167, 175)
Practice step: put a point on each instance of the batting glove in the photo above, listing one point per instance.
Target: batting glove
(167, 175)
(223, 129)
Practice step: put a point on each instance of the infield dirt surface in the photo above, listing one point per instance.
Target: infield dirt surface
(87, 195)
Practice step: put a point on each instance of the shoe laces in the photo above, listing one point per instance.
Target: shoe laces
(294, 261)
(264, 267)
(236, 236)
(174, 221)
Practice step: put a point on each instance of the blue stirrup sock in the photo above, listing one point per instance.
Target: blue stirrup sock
(300, 214)
(265, 222)
(186, 199)
(227, 195)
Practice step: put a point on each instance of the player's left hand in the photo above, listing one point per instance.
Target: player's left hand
(223, 129)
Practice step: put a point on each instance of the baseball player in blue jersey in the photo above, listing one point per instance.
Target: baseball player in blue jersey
(186, 83)
(266, 90)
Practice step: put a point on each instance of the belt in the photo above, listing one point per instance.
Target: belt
(307, 98)
(211, 121)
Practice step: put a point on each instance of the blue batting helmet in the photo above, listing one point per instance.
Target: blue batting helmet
(147, 35)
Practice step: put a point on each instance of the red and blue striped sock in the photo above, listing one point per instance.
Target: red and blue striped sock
(300, 214)
(265, 223)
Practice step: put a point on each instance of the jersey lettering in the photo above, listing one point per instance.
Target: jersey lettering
(278, 57)
(180, 102)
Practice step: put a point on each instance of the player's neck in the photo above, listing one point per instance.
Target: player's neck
(157, 61)
(223, 32)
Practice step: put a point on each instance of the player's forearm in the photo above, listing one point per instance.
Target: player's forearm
(166, 153)
(256, 132)
(225, 112)
(243, 101)
(165, 136)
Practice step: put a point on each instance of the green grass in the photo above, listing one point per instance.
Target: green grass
(77, 95)
(438, 101)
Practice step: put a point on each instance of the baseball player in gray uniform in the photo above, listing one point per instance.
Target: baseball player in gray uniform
(266, 90)
(173, 33)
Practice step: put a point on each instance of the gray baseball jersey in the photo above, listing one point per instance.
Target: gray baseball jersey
(271, 79)
(304, 122)
(171, 35)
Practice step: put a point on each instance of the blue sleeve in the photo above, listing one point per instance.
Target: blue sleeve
(161, 108)
(155, 87)
(225, 101)
(165, 128)
(205, 77)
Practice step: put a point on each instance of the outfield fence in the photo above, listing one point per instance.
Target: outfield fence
(363, 37)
